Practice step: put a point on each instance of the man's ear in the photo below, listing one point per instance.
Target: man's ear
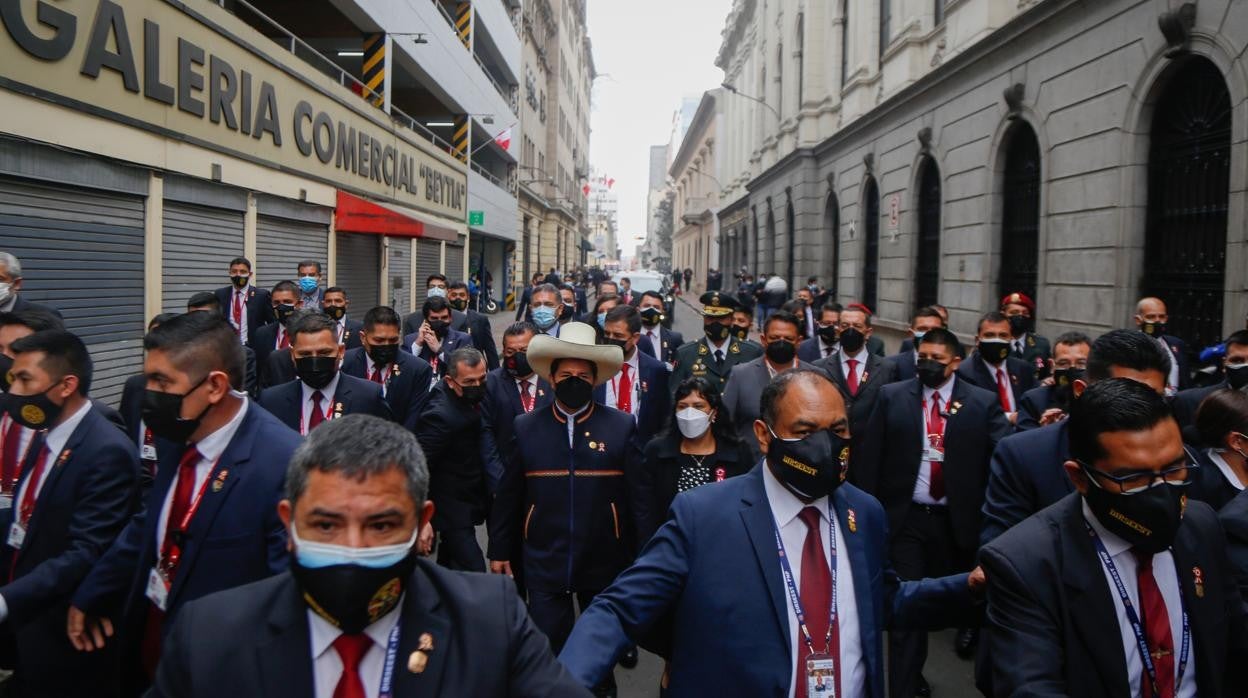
(425, 515)
(1077, 476)
(1078, 386)
(284, 512)
(762, 434)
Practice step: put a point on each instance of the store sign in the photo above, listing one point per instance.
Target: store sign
(476, 218)
(187, 73)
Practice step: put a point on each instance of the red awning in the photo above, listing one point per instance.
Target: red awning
(356, 215)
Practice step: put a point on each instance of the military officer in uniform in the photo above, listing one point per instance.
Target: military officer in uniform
(1025, 344)
(713, 355)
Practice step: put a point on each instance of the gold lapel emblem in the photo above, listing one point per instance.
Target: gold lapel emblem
(852, 520)
(63, 457)
(865, 376)
(734, 348)
(417, 661)
(337, 410)
(1198, 580)
(953, 409)
(1031, 341)
(593, 445)
(702, 350)
(219, 483)
(394, 369)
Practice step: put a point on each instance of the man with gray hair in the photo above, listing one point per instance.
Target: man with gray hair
(358, 607)
(11, 283)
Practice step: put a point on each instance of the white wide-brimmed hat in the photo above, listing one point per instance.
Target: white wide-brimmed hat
(576, 340)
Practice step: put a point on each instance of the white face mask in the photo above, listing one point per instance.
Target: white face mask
(693, 422)
(436, 292)
(6, 292)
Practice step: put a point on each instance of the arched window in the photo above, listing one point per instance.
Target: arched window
(1020, 213)
(832, 245)
(1189, 173)
(790, 228)
(799, 68)
(871, 243)
(927, 254)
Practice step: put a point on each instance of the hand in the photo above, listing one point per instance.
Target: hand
(424, 542)
(423, 334)
(977, 581)
(87, 633)
(1052, 416)
(1048, 381)
(432, 341)
(1012, 416)
(501, 567)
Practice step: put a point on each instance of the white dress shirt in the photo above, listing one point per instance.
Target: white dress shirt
(634, 391)
(55, 442)
(1009, 387)
(327, 665)
(810, 322)
(1216, 458)
(827, 350)
(570, 418)
(923, 483)
(210, 449)
(369, 367)
(340, 330)
(859, 369)
(655, 336)
(532, 381)
(237, 294)
(327, 399)
(785, 507)
(723, 347)
(1168, 582)
(1172, 381)
(1019, 344)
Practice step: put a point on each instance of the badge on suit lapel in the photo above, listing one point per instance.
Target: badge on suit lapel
(1198, 581)
(1031, 341)
(720, 474)
(645, 387)
(63, 457)
(419, 659)
(394, 370)
(219, 483)
(251, 294)
(541, 393)
(337, 410)
(953, 409)
(865, 375)
(852, 520)
(1014, 379)
(734, 348)
(702, 350)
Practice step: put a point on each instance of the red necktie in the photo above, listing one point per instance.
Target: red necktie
(1003, 391)
(238, 312)
(318, 415)
(9, 472)
(376, 377)
(624, 391)
(816, 594)
(149, 646)
(283, 341)
(936, 428)
(1156, 620)
(32, 483)
(852, 378)
(526, 396)
(351, 649)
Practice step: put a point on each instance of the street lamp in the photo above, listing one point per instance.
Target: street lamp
(735, 91)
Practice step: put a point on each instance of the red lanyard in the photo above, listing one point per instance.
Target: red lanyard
(324, 413)
(171, 549)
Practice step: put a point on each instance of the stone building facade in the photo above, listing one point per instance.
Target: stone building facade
(695, 184)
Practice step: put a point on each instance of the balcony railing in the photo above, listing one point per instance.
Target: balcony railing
(508, 94)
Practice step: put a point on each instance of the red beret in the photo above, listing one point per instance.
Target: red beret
(1022, 299)
(859, 307)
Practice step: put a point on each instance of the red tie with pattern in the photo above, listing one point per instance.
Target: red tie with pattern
(376, 377)
(351, 649)
(1156, 620)
(816, 595)
(624, 391)
(238, 312)
(936, 432)
(318, 415)
(852, 379)
(526, 396)
(32, 483)
(283, 340)
(1003, 391)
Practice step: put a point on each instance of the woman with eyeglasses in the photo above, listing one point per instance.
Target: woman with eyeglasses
(1222, 424)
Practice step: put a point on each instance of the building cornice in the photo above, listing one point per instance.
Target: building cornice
(739, 18)
(696, 135)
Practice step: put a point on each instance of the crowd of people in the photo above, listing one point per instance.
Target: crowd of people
(287, 501)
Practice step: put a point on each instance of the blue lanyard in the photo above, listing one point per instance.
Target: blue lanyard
(1141, 641)
(387, 671)
(795, 599)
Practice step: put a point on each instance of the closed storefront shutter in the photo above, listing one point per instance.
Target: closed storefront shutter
(82, 253)
(359, 268)
(400, 272)
(288, 232)
(454, 262)
(428, 261)
(199, 243)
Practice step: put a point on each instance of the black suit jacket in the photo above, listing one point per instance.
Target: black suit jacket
(522, 306)
(1022, 376)
(669, 342)
(355, 395)
(278, 369)
(1026, 474)
(447, 431)
(477, 326)
(903, 366)
(741, 398)
(1234, 519)
(876, 375)
(1188, 401)
(254, 641)
(263, 343)
(453, 340)
(259, 307)
(351, 334)
(1032, 405)
(21, 304)
(407, 391)
(498, 413)
(1051, 620)
(1178, 354)
(894, 445)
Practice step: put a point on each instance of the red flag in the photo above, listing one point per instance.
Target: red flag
(585, 189)
(610, 183)
(504, 139)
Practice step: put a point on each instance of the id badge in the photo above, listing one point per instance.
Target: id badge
(147, 452)
(820, 676)
(17, 536)
(934, 449)
(157, 589)
(6, 502)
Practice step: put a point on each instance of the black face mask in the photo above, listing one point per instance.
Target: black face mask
(440, 328)
(781, 352)
(517, 365)
(1153, 329)
(827, 334)
(1064, 386)
(717, 332)
(931, 372)
(383, 354)
(458, 303)
(316, 371)
(283, 311)
(651, 316)
(811, 467)
(240, 281)
(852, 340)
(574, 392)
(335, 312)
(352, 597)
(33, 411)
(621, 343)
(6, 365)
(162, 413)
(1236, 376)
(994, 351)
(1019, 324)
(569, 311)
(741, 333)
(1148, 520)
(472, 394)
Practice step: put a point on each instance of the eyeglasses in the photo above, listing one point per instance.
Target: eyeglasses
(1178, 475)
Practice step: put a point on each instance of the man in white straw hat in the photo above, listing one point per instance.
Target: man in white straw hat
(569, 496)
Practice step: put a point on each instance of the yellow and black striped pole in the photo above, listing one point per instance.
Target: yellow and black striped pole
(463, 23)
(460, 142)
(375, 68)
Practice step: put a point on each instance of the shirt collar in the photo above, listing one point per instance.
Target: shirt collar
(718, 347)
(59, 434)
(946, 393)
(531, 380)
(992, 370)
(213, 445)
(1225, 469)
(327, 392)
(633, 362)
(324, 633)
(785, 506)
(860, 357)
(1114, 544)
(571, 416)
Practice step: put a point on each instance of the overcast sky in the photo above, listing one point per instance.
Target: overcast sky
(649, 54)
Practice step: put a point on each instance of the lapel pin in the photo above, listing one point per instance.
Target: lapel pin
(63, 457)
(417, 661)
(953, 409)
(1198, 580)
(865, 376)
(720, 474)
(602, 447)
(425, 643)
(852, 520)
(337, 410)
(593, 445)
(541, 393)
(734, 349)
(219, 483)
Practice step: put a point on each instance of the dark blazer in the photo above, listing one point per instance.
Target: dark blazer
(1209, 485)
(498, 414)
(278, 369)
(355, 395)
(522, 306)
(131, 400)
(263, 341)
(1025, 476)
(1036, 353)
(669, 342)
(1178, 353)
(1051, 620)
(731, 636)
(875, 345)
(259, 307)
(234, 538)
(351, 334)
(1234, 519)
(652, 389)
(1188, 401)
(876, 375)
(907, 346)
(582, 303)
(407, 391)
(894, 445)
(810, 352)
(1022, 376)
(20, 304)
(904, 366)
(86, 500)
(255, 640)
(661, 465)
(741, 398)
(477, 326)
(454, 340)
(1032, 405)
(448, 428)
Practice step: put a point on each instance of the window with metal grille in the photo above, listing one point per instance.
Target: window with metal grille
(871, 246)
(927, 254)
(1020, 214)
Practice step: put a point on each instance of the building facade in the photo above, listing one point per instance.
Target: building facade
(695, 185)
(910, 151)
(603, 222)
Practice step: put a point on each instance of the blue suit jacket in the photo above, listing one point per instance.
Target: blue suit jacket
(498, 414)
(1025, 475)
(1031, 406)
(407, 391)
(809, 350)
(1022, 375)
(903, 366)
(713, 566)
(655, 409)
(454, 340)
(356, 395)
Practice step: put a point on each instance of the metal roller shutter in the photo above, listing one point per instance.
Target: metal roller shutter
(428, 261)
(359, 268)
(199, 243)
(400, 272)
(282, 243)
(82, 253)
(454, 262)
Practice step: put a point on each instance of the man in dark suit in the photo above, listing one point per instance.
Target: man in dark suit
(1046, 404)
(737, 634)
(874, 344)
(713, 355)
(926, 318)
(640, 387)
(522, 307)
(334, 303)
(182, 545)
(74, 493)
(472, 323)
(11, 300)
(928, 444)
(656, 340)
(1150, 318)
(1124, 588)
(321, 392)
(357, 589)
(284, 301)
(627, 295)
(1234, 518)
(246, 307)
(511, 390)
(405, 379)
(809, 312)
(435, 340)
(827, 331)
(1234, 370)
(747, 381)
(1020, 310)
(991, 367)
(435, 287)
(857, 372)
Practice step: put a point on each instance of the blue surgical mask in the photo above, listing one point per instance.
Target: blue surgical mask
(307, 284)
(544, 317)
(314, 555)
(436, 292)
(602, 320)
(918, 336)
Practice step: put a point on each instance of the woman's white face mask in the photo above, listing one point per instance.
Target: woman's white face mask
(693, 422)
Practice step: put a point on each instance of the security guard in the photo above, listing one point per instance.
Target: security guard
(1025, 344)
(713, 355)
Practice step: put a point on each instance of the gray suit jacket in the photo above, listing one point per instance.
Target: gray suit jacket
(742, 395)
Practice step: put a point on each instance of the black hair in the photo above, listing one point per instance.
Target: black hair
(859, 308)
(627, 313)
(1072, 338)
(1238, 338)
(335, 289)
(993, 317)
(603, 298)
(467, 356)
(1126, 349)
(309, 322)
(1220, 413)
(830, 308)
(381, 315)
(457, 284)
(516, 329)
(554, 366)
(722, 429)
(241, 260)
(546, 288)
(783, 316)
(35, 319)
(434, 277)
(198, 343)
(287, 286)
(928, 311)
(943, 337)
(653, 294)
(434, 304)
(1114, 404)
(779, 387)
(160, 319)
(308, 263)
(64, 354)
(203, 299)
